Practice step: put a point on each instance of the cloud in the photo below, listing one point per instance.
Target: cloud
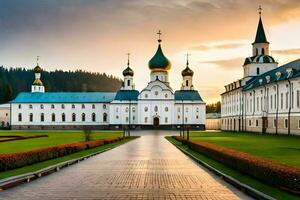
(287, 52)
(204, 47)
(230, 64)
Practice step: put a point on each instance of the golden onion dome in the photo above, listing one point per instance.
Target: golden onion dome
(37, 69)
(128, 72)
(187, 72)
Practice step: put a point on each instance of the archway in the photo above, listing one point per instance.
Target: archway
(155, 122)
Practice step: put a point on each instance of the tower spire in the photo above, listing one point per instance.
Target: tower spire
(260, 33)
(159, 34)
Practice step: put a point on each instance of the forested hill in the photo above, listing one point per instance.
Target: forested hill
(15, 80)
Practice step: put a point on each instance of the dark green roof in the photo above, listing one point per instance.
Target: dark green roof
(187, 95)
(127, 95)
(128, 72)
(259, 59)
(260, 33)
(261, 80)
(159, 60)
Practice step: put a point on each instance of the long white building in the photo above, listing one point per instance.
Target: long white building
(157, 105)
(267, 98)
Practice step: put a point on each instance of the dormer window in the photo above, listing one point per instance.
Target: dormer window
(268, 78)
(289, 72)
(278, 74)
(260, 81)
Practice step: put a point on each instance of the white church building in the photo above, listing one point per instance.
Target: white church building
(156, 106)
(267, 98)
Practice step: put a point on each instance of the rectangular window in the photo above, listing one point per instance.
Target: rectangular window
(256, 122)
(281, 100)
(286, 100)
(298, 98)
(298, 124)
(285, 123)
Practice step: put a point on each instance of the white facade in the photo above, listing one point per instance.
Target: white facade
(267, 98)
(157, 105)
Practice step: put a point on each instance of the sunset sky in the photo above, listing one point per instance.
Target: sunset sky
(96, 35)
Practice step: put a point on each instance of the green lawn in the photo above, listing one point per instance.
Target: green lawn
(55, 138)
(269, 190)
(284, 149)
(41, 165)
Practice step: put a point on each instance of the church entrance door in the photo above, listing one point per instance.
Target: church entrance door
(155, 122)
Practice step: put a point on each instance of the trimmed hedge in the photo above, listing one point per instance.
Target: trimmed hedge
(20, 159)
(270, 172)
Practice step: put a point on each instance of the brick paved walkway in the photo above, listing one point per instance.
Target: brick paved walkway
(147, 168)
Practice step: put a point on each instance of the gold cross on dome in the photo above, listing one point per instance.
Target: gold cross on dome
(159, 34)
(37, 60)
(187, 58)
(128, 57)
(259, 9)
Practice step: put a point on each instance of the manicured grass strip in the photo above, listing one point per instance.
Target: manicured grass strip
(54, 138)
(269, 190)
(281, 148)
(41, 165)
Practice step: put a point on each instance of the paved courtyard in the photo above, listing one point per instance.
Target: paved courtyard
(146, 168)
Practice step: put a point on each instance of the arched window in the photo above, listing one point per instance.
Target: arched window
(146, 109)
(73, 106)
(63, 117)
(104, 106)
(257, 71)
(30, 106)
(166, 109)
(20, 117)
(263, 51)
(73, 117)
(19, 106)
(83, 117)
(82, 106)
(166, 120)
(30, 117)
(62, 106)
(42, 117)
(93, 106)
(128, 82)
(256, 51)
(53, 117)
(93, 117)
(104, 117)
(186, 83)
(155, 108)
(52, 106)
(42, 106)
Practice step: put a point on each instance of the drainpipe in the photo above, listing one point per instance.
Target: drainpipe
(290, 107)
(277, 102)
(265, 108)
